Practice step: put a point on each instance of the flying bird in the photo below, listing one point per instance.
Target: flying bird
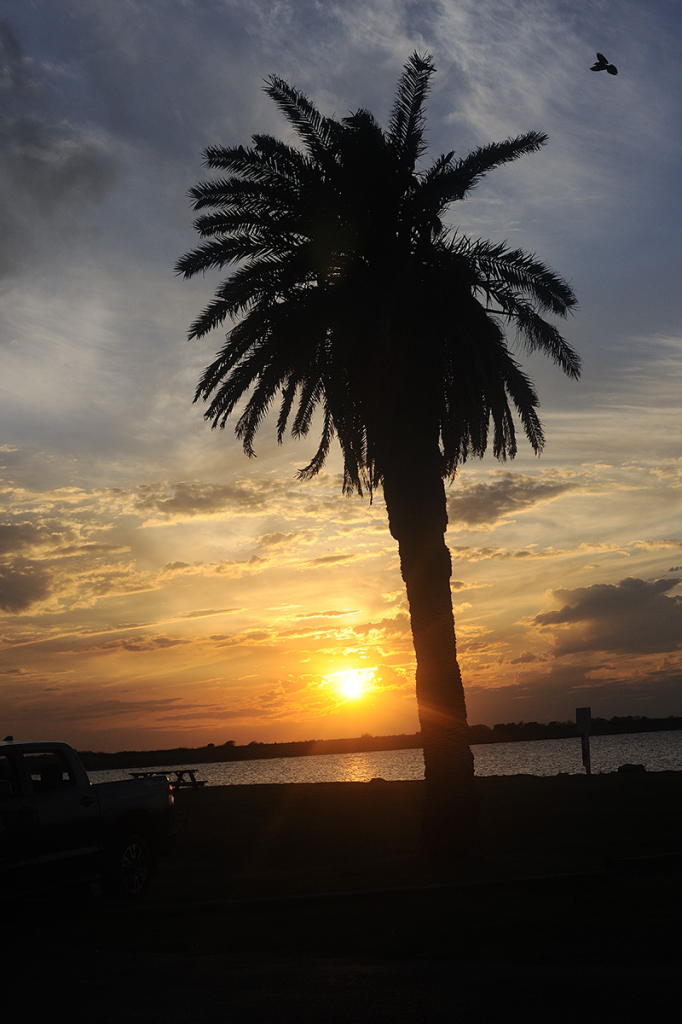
(603, 65)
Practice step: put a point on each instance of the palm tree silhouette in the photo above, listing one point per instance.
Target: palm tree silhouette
(352, 298)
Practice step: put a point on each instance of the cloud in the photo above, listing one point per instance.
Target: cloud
(189, 499)
(92, 549)
(226, 568)
(655, 545)
(250, 638)
(47, 540)
(204, 613)
(327, 615)
(69, 709)
(75, 579)
(22, 585)
(268, 540)
(15, 77)
(212, 714)
(480, 505)
(527, 657)
(554, 694)
(137, 644)
(51, 170)
(633, 616)
(484, 554)
(16, 537)
(399, 625)
(500, 554)
(331, 559)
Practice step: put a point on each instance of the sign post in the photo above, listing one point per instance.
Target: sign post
(583, 722)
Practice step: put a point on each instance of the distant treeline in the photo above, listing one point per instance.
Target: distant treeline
(508, 732)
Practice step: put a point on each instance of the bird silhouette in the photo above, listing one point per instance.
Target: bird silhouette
(603, 65)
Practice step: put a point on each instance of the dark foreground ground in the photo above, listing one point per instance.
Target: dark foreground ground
(310, 903)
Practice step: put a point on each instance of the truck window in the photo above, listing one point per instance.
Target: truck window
(49, 771)
(8, 782)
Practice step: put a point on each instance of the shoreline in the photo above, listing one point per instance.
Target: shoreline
(227, 753)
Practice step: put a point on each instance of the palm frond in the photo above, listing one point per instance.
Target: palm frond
(268, 384)
(223, 251)
(310, 396)
(276, 224)
(525, 398)
(246, 163)
(538, 334)
(320, 457)
(233, 194)
(407, 121)
(517, 269)
(255, 289)
(318, 133)
(288, 397)
(466, 173)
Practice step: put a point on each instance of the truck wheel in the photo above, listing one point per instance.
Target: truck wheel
(130, 867)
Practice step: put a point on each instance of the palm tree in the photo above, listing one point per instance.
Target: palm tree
(352, 298)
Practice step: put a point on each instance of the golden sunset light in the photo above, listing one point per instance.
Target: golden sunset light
(354, 683)
(158, 587)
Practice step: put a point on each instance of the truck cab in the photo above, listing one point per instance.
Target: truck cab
(55, 826)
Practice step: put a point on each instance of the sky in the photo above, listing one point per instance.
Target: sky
(157, 587)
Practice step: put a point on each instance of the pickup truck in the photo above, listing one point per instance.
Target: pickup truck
(57, 827)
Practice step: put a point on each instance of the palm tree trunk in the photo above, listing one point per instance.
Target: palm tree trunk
(417, 512)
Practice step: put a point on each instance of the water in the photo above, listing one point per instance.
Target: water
(657, 751)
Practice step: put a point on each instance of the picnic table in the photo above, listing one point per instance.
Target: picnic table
(182, 776)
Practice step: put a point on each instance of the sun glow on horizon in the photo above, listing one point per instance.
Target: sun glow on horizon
(353, 683)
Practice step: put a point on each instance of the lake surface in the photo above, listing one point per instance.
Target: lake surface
(657, 751)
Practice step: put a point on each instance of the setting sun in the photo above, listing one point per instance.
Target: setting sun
(353, 683)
